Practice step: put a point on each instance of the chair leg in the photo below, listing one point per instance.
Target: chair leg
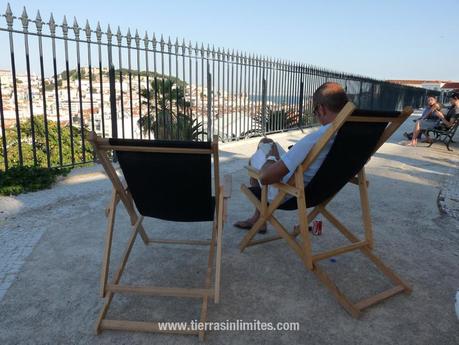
(342, 299)
(218, 260)
(108, 242)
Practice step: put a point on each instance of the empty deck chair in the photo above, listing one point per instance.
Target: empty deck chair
(166, 180)
(359, 134)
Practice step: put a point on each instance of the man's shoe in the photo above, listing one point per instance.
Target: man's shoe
(245, 225)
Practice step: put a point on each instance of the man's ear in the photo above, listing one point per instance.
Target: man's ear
(323, 110)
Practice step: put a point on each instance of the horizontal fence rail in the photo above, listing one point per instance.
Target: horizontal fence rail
(61, 81)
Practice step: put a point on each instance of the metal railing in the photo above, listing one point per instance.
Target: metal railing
(64, 81)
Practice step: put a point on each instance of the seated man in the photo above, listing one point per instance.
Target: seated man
(277, 165)
(453, 113)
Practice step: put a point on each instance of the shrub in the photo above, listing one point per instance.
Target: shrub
(17, 180)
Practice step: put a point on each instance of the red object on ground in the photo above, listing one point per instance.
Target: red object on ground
(317, 227)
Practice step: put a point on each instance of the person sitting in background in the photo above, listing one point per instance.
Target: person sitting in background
(277, 165)
(453, 113)
(430, 118)
(447, 120)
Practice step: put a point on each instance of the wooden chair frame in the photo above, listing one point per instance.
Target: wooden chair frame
(121, 194)
(303, 248)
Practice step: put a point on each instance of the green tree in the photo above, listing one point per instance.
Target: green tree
(170, 112)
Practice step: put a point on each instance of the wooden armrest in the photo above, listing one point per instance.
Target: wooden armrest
(226, 188)
(253, 172)
(286, 188)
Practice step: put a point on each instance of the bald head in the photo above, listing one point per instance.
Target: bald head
(330, 95)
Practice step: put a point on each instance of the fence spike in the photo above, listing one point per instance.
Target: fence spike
(169, 44)
(128, 37)
(119, 36)
(183, 46)
(9, 16)
(52, 25)
(137, 39)
(38, 22)
(154, 41)
(65, 27)
(76, 28)
(176, 46)
(161, 42)
(109, 34)
(87, 30)
(145, 40)
(24, 19)
(98, 32)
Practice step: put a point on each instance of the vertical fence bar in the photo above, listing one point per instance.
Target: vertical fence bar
(147, 91)
(169, 88)
(209, 104)
(131, 105)
(238, 100)
(263, 103)
(139, 85)
(52, 28)
(223, 95)
(154, 43)
(76, 30)
(101, 83)
(228, 93)
(25, 24)
(39, 25)
(190, 67)
(9, 21)
(91, 97)
(203, 83)
(111, 77)
(69, 95)
(177, 85)
(2, 124)
(300, 106)
(219, 113)
(119, 38)
(246, 118)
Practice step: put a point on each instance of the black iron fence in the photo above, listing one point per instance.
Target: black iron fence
(62, 81)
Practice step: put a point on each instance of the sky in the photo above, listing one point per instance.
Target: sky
(385, 39)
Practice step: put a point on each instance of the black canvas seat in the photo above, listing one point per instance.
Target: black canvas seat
(156, 179)
(357, 134)
(167, 180)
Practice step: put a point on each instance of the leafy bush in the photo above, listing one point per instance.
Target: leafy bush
(25, 179)
(68, 136)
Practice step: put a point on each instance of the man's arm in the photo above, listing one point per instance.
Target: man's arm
(273, 172)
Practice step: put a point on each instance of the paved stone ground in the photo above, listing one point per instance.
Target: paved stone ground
(449, 194)
(51, 243)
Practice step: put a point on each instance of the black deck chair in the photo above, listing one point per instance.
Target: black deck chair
(359, 133)
(167, 180)
(444, 134)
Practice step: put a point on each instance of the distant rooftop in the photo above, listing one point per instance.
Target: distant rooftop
(428, 84)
